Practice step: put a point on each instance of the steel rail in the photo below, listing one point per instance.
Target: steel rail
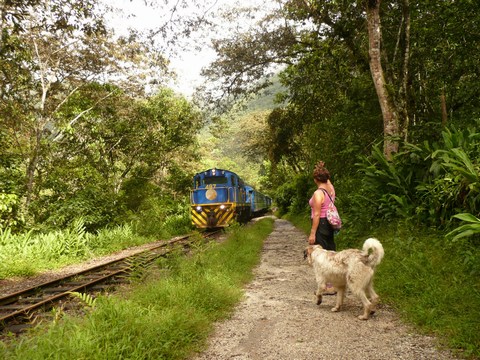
(9, 298)
(89, 282)
(44, 300)
(28, 308)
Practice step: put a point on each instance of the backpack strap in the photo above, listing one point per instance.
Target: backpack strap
(326, 192)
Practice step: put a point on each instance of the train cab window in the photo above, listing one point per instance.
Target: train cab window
(215, 180)
(196, 182)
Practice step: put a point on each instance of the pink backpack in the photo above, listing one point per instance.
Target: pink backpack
(332, 214)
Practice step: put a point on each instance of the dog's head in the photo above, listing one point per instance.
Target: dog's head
(307, 253)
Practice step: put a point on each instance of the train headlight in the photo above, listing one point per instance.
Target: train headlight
(199, 209)
(222, 207)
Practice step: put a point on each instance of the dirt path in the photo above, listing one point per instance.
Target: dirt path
(278, 318)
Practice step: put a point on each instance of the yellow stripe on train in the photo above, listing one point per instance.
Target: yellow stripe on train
(212, 215)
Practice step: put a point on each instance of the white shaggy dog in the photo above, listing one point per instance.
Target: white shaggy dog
(353, 268)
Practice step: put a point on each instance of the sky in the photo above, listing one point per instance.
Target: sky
(187, 64)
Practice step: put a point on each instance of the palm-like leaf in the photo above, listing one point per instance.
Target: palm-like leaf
(466, 229)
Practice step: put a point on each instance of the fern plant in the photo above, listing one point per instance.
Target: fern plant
(389, 185)
(471, 228)
(86, 299)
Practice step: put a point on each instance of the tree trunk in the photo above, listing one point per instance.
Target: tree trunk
(406, 60)
(444, 108)
(2, 17)
(32, 167)
(389, 113)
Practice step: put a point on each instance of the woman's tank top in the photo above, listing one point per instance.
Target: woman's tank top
(326, 202)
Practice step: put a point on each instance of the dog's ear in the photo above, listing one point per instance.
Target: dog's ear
(305, 254)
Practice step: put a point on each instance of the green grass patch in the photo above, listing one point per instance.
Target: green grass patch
(168, 317)
(29, 253)
(429, 280)
(432, 282)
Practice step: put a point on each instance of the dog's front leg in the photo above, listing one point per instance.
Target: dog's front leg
(319, 297)
(320, 289)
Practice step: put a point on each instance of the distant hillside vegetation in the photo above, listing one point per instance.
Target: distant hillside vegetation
(232, 143)
(266, 99)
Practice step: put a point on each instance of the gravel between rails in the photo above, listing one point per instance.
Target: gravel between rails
(278, 318)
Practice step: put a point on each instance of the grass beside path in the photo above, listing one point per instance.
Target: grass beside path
(431, 281)
(168, 317)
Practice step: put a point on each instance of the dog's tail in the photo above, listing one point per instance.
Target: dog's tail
(374, 249)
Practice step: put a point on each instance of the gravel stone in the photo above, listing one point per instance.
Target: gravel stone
(278, 318)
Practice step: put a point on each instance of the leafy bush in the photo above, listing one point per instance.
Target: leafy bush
(283, 197)
(428, 183)
(304, 188)
(293, 196)
(454, 183)
(161, 217)
(94, 204)
(388, 185)
(9, 217)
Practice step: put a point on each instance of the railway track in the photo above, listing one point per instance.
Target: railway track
(19, 310)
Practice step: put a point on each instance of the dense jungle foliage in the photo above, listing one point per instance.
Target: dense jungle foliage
(76, 146)
(96, 149)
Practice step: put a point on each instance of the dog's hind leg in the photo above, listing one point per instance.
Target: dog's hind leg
(340, 296)
(367, 306)
(374, 298)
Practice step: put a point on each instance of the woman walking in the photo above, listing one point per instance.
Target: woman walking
(322, 233)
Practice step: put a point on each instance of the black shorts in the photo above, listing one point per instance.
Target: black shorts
(324, 235)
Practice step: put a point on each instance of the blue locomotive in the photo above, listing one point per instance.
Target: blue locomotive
(220, 197)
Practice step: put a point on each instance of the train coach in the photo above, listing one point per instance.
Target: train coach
(259, 203)
(220, 197)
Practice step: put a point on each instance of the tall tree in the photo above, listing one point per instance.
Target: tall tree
(115, 152)
(390, 114)
(65, 47)
(373, 35)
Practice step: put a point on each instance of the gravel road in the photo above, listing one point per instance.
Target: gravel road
(278, 319)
